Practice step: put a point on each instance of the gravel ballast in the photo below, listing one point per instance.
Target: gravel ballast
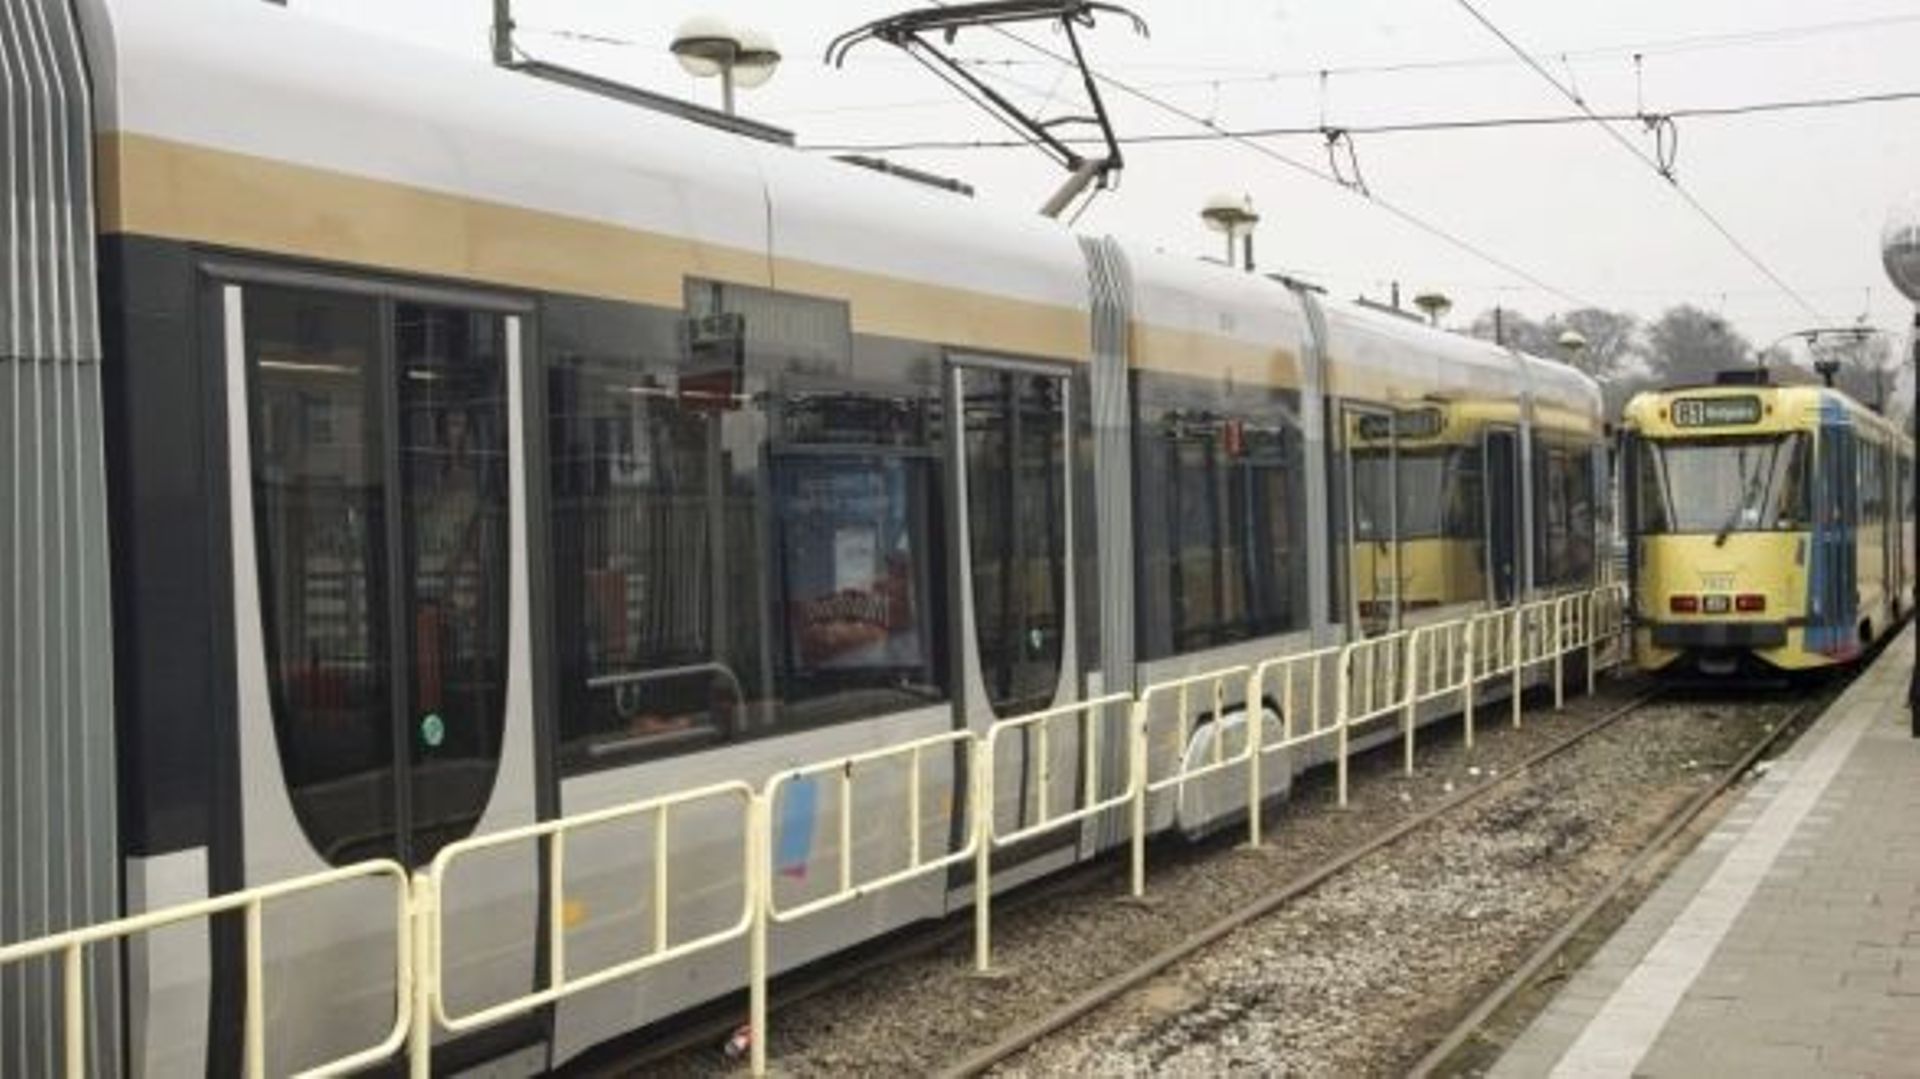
(1358, 976)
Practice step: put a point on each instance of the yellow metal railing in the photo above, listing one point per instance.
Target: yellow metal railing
(1092, 722)
(1320, 696)
(71, 946)
(1299, 685)
(430, 889)
(1220, 691)
(1372, 685)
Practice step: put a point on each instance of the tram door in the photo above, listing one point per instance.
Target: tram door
(1367, 533)
(1501, 449)
(1018, 652)
(1832, 579)
(382, 644)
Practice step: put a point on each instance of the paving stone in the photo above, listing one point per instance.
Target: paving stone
(1812, 967)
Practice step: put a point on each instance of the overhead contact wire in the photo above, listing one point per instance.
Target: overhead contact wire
(1403, 215)
(1664, 173)
(1411, 127)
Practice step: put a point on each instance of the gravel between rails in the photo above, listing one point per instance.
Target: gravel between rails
(1339, 982)
(1360, 976)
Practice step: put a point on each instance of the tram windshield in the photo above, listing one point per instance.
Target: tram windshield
(1724, 485)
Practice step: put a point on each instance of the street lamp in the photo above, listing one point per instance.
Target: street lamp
(1900, 254)
(1573, 343)
(1232, 216)
(741, 56)
(1435, 304)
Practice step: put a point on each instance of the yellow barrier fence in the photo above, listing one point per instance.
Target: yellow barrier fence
(1298, 685)
(430, 1007)
(71, 946)
(1439, 666)
(1372, 686)
(1220, 689)
(1094, 722)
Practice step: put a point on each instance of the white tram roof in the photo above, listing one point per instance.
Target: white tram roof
(248, 78)
(244, 78)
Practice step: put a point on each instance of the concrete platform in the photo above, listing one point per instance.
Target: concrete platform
(1788, 942)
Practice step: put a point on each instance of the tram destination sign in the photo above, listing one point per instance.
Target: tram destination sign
(1716, 411)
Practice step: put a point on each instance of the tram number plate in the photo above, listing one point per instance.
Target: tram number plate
(1716, 604)
(1716, 411)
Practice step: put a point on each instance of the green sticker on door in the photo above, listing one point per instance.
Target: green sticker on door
(433, 730)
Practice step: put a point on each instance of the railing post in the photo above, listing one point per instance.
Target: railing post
(1516, 662)
(1255, 709)
(256, 1018)
(1472, 683)
(760, 898)
(1593, 634)
(1343, 695)
(1137, 736)
(74, 1023)
(1559, 653)
(1408, 684)
(420, 1036)
(982, 824)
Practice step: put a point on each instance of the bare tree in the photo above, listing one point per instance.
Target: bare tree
(1612, 339)
(1514, 330)
(1867, 366)
(1690, 345)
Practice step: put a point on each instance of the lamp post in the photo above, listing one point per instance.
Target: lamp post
(1232, 216)
(1573, 343)
(1435, 305)
(741, 56)
(1900, 254)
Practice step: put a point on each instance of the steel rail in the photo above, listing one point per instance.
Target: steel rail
(1107, 991)
(1550, 949)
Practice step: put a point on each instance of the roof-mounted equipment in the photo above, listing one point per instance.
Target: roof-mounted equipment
(910, 32)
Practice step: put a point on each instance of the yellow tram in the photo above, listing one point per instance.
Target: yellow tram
(1771, 526)
(1446, 479)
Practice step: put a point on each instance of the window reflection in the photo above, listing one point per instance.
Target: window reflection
(1015, 446)
(1223, 558)
(322, 381)
(743, 539)
(453, 452)
(634, 524)
(1563, 507)
(319, 501)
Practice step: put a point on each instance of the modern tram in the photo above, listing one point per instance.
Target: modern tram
(475, 451)
(1771, 527)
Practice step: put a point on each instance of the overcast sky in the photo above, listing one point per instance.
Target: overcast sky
(1807, 192)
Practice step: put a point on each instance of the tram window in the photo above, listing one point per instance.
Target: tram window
(453, 470)
(1226, 562)
(855, 523)
(322, 381)
(1563, 507)
(1730, 484)
(319, 503)
(744, 541)
(1015, 446)
(634, 525)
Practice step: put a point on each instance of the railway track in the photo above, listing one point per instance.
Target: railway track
(1080, 1018)
(908, 1002)
(1466, 1043)
(1103, 994)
